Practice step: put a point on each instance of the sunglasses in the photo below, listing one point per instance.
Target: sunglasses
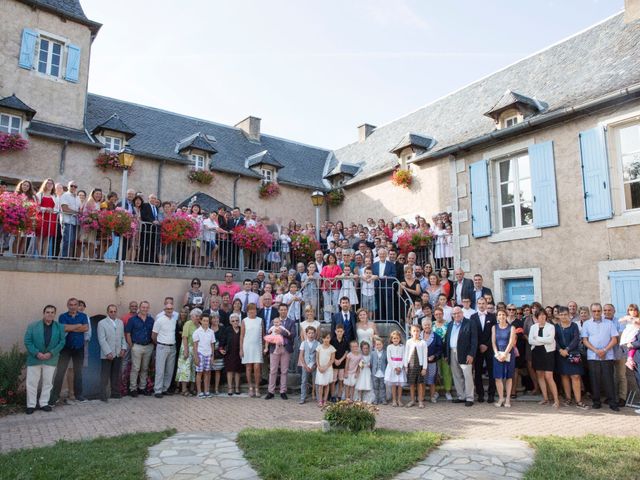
(511, 309)
(73, 186)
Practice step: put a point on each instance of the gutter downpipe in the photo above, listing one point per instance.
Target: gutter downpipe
(63, 156)
(235, 188)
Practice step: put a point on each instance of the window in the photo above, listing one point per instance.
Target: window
(267, 175)
(510, 121)
(112, 144)
(629, 142)
(515, 198)
(10, 123)
(198, 161)
(49, 57)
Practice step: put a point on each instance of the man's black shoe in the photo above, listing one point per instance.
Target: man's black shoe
(613, 407)
(29, 411)
(480, 399)
(168, 392)
(491, 399)
(457, 400)
(133, 393)
(158, 395)
(468, 404)
(46, 408)
(268, 396)
(116, 395)
(596, 406)
(147, 393)
(284, 396)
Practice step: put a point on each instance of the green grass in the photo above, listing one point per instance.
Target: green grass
(120, 458)
(594, 457)
(313, 455)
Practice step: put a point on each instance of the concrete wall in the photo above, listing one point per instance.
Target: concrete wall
(56, 100)
(568, 254)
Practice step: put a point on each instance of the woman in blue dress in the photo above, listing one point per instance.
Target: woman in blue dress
(569, 362)
(503, 338)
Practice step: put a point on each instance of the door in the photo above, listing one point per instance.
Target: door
(625, 289)
(518, 291)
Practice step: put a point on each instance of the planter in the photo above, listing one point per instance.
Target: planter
(110, 161)
(401, 178)
(269, 190)
(335, 197)
(12, 142)
(203, 177)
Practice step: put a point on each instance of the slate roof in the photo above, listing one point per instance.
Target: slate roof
(414, 139)
(263, 158)
(197, 141)
(602, 59)
(14, 103)
(67, 8)
(58, 132)
(512, 98)
(206, 202)
(158, 132)
(343, 169)
(114, 123)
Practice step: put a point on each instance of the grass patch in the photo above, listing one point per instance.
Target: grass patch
(594, 457)
(313, 455)
(102, 458)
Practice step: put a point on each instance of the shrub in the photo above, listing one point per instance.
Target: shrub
(351, 416)
(12, 364)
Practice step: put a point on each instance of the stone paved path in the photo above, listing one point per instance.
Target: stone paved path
(202, 456)
(473, 459)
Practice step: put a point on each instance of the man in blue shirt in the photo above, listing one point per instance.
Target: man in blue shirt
(138, 335)
(75, 325)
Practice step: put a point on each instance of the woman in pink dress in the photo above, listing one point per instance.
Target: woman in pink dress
(330, 286)
(47, 218)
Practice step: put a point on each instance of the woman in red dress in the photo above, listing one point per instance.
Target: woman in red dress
(47, 218)
(330, 286)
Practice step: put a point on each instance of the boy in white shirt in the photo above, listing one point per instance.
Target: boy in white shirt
(203, 340)
(467, 311)
(293, 300)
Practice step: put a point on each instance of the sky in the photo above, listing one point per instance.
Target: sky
(314, 71)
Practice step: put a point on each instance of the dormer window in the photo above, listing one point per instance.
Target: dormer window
(513, 108)
(10, 123)
(197, 160)
(510, 121)
(267, 175)
(49, 57)
(112, 144)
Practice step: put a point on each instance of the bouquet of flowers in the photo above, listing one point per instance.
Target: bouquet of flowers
(17, 213)
(253, 238)
(89, 220)
(335, 197)
(413, 240)
(269, 190)
(12, 142)
(179, 227)
(204, 177)
(118, 221)
(303, 246)
(109, 161)
(401, 178)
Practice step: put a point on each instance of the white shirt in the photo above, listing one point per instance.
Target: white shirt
(73, 202)
(459, 293)
(210, 229)
(165, 327)
(447, 311)
(294, 305)
(381, 269)
(204, 338)
(483, 318)
(246, 300)
(174, 315)
(467, 312)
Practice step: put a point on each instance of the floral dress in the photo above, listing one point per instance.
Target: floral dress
(186, 371)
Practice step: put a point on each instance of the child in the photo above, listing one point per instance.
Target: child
(309, 321)
(293, 300)
(273, 257)
(279, 295)
(285, 242)
(348, 288)
(448, 246)
(363, 384)
(203, 340)
(310, 291)
(378, 366)
(414, 316)
(342, 349)
(368, 291)
(307, 359)
(325, 356)
(394, 375)
(415, 364)
(352, 368)
(274, 338)
(434, 352)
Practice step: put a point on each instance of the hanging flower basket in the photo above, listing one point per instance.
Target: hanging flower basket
(12, 142)
(413, 240)
(303, 246)
(179, 227)
(401, 178)
(17, 213)
(89, 221)
(254, 239)
(335, 197)
(118, 222)
(109, 161)
(204, 177)
(269, 190)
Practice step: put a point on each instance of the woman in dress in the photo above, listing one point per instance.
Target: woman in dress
(251, 333)
(433, 289)
(88, 237)
(134, 244)
(409, 291)
(194, 298)
(569, 360)
(330, 286)
(365, 329)
(236, 307)
(24, 242)
(440, 327)
(186, 373)
(230, 349)
(445, 284)
(217, 363)
(520, 348)
(47, 218)
(503, 340)
(543, 353)
(214, 293)
(439, 233)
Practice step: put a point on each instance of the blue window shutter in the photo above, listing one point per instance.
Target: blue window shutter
(480, 213)
(595, 175)
(73, 64)
(543, 184)
(28, 48)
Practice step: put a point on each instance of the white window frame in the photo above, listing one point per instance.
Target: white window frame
(268, 175)
(110, 144)
(514, 119)
(10, 129)
(49, 60)
(198, 161)
(516, 203)
(620, 176)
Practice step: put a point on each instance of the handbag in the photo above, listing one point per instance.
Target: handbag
(573, 357)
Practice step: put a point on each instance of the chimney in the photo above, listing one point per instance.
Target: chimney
(631, 10)
(365, 130)
(251, 128)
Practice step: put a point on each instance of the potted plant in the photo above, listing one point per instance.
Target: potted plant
(109, 161)
(17, 213)
(252, 238)
(413, 240)
(401, 178)
(269, 190)
(12, 142)
(204, 177)
(303, 247)
(118, 222)
(179, 227)
(335, 197)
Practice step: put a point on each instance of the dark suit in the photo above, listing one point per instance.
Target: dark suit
(223, 317)
(268, 319)
(128, 206)
(484, 338)
(466, 345)
(148, 233)
(349, 326)
(232, 249)
(467, 291)
(384, 289)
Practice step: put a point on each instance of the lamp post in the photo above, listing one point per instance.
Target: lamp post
(317, 198)
(126, 158)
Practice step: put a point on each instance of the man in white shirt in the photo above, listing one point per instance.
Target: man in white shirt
(246, 296)
(113, 348)
(70, 206)
(164, 336)
(467, 311)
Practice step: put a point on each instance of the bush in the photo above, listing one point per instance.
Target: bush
(12, 364)
(351, 416)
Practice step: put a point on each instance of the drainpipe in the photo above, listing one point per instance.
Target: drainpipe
(235, 188)
(63, 156)
(159, 187)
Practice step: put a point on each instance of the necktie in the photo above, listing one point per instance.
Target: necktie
(155, 214)
(246, 300)
(345, 318)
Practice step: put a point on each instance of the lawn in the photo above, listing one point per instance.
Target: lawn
(593, 457)
(313, 455)
(119, 458)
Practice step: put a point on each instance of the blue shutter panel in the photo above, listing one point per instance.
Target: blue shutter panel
(480, 213)
(28, 48)
(543, 184)
(73, 64)
(595, 175)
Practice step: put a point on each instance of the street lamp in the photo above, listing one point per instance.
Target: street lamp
(126, 159)
(317, 198)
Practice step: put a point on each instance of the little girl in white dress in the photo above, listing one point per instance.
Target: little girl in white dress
(348, 288)
(364, 384)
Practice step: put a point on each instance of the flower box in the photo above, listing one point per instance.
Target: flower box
(413, 240)
(110, 161)
(335, 197)
(118, 222)
(303, 247)
(401, 178)
(204, 177)
(254, 239)
(12, 142)
(269, 190)
(179, 227)
(17, 213)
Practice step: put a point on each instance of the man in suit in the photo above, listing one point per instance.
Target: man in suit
(463, 287)
(319, 259)
(484, 321)
(479, 290)
(279, 359)
(113, 348)
(386, 272)
(215, 309)
(148, 230)
(460, 345)
(236, 220)
(126, 204)
(347, 318)
(267, 313)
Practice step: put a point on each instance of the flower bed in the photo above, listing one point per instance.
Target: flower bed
(413, 240)
(12, 142)
(303, 247)
(17, 213)
(110, 161)
(204, 177)
(269, 190)
(118, 221)
(179, 227)
(335, 197)
(253, 238)
(401, 178)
